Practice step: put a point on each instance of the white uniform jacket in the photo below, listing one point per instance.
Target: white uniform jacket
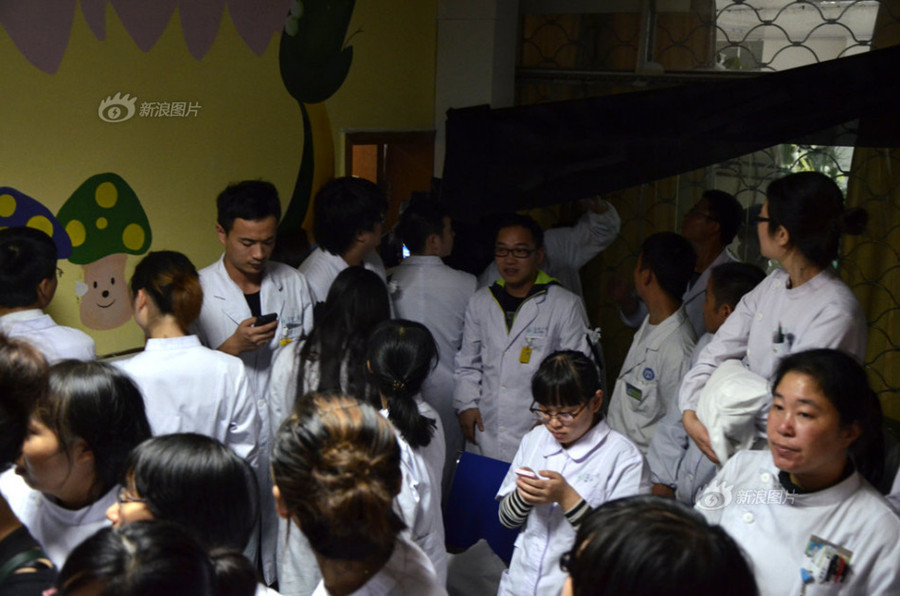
(692, 299)
(283, 291)
(58, 530)
(427, 291)
(55, 342)
(321, 267)
(494, 367)
(188, 387)
(779, 530)
(602, 465)
(773, 320)
(567, 250)
(647, 386)
(407, 572)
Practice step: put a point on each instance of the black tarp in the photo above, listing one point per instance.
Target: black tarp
(531, 156)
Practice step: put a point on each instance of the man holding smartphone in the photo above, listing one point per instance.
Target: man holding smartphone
(241, 293)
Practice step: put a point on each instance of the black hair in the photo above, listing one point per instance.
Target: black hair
(810, 206)
(419, 221)
(145, 558)
(843, 381)
(730, 281)
(336, 463)
(199, 483)
(171, 281)
(23, 381)
(99, 404)
(566, 378)
(357, 301)
(401, 355)
(510, 220)
(726, 211)
(253, 200)
(343, 208)
(671, 258)
(27, 257)
(644, 546)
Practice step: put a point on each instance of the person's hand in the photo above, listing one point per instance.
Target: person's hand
(595, 204)
(620, 292)
(550, 488)
(247, 338)
(467, 421)
(699, 434)
(662, 490)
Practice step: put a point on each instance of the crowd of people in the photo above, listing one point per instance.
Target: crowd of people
(295, 430)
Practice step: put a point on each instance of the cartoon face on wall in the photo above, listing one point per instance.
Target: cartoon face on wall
(105, 221)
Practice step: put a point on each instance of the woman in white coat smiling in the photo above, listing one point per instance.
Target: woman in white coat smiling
(186, 386)
(805, 512)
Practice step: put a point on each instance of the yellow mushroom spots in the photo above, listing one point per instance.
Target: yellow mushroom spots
(7, 205)
(104, 217)
(39, 222)
(106, 195)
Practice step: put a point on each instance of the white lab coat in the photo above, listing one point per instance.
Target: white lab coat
(602, 465)
(774, 527)
(58, 530)
(822, 313)
(567, 250)
(419, 500)
(647, 386)
(674, 459)
(283, 291)
(427, 291)
(55, 342)
(490, 374)
(321, 267)
(407, 572)
(188, 387)
(691, 300)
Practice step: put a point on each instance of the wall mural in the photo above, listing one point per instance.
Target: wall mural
(105, 222)
(18, 209)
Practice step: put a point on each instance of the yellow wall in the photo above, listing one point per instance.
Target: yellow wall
(248, 125)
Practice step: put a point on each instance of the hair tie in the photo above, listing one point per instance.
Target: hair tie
(398, 386)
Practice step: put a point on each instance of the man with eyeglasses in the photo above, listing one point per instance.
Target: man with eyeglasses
(28, 280)
(509, 328)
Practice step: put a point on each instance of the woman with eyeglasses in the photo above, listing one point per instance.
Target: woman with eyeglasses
(78, 439)
(802, 305)
(569, 464)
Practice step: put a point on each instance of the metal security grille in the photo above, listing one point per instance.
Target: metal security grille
(571, 49)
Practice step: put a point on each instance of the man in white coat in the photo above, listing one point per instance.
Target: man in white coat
(28, 280)
(660, 353)
(426, 290)
(509, 329)
(347, 223)
(568, 249)
(710, 226)
(240, 287)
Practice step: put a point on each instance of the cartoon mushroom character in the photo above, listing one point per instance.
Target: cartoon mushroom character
(106, 223)
(18, 209)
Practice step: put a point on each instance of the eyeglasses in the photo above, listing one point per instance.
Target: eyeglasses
(759, 219)
(565, 418)
(123, 497)
(519, 253)
(59, 272)
(696, 212)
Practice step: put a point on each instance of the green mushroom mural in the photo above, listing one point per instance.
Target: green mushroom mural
(105, 222)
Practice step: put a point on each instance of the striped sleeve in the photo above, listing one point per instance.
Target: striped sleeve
(514, 510)
(576, 514)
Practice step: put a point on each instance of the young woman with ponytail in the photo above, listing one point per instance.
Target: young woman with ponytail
(400, 356)
(337, 469)
(805, 512)
(186, 386)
